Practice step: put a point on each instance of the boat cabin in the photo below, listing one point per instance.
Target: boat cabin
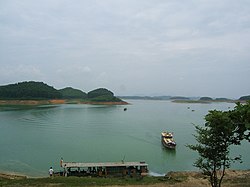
(168, 140)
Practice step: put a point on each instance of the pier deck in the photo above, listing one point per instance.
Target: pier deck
(104, 164)
(104, 168)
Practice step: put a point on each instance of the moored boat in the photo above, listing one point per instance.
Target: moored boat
(168, 140)
(104, 169)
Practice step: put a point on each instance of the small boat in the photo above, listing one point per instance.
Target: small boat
(168, 140)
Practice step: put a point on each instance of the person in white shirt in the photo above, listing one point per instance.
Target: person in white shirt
(51, 171)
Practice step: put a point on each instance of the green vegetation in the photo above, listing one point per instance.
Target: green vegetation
(40, 91)
(147, 97)
(100, 92)
(102, 95)
(29, 90)
(77, 181)
(232, 178)
(87, 181)
(245, 98)
(206, 99)
(222, 99)
(221, 130)
(179, 98)
(71, 93)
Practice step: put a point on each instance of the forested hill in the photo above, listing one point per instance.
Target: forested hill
(245, 98)
(71, 93)
(40, 90)
(102, 95)
(29, 90)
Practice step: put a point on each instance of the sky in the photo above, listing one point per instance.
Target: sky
(131, 47)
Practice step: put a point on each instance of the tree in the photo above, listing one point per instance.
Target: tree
(206, 99)
(245, 98)
(241, 120)
(221, 130)
(100, 92)
(29, 90)
(102, 95)
(71, 93)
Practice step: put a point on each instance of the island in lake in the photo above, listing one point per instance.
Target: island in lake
(183, 99)
(35, 93)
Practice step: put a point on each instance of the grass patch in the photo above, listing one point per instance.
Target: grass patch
(85, 181)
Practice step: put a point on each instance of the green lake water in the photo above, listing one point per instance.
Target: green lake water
(34, 138)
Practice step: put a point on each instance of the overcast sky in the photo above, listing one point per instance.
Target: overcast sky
(131, 47)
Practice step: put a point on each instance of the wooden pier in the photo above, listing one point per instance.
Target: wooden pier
(104, 169)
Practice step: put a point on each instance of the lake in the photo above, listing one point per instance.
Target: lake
(34, 138)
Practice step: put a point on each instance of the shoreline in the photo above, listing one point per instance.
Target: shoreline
(79, 101)
(12, 175)
(232, 178)
(206, 102)
(58, 101)
(104, 103)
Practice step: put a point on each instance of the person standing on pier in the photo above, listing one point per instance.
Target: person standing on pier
(61, 162)
(51, 171)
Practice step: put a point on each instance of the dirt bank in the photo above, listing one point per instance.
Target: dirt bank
(105, 103)
(233, 178)
(12, 176)
(32, 102)
(56, 101)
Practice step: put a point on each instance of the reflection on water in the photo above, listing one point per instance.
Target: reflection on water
(169, 152)
(33, 138)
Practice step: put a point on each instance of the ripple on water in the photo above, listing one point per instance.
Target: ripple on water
(39, 136)
(41, 118)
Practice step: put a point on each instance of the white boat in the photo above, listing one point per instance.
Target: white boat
(168, 140)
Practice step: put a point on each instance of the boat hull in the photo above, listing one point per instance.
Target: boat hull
(167, 145)
(168, 140)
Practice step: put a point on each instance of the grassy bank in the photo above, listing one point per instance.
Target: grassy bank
(78, 181)
(232, 178)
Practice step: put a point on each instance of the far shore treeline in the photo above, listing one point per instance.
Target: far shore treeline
(181, 99)
(32, 90)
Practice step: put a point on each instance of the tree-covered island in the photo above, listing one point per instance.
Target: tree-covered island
(32, 92)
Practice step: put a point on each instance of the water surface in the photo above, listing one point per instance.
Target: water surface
(34, 138)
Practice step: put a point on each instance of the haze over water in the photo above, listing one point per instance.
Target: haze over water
(34, 138)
